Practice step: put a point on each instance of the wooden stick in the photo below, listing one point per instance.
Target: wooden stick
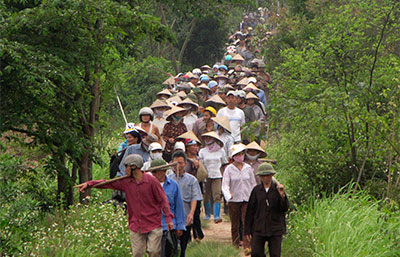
(273, 161)
(161, 167)
(126, 176)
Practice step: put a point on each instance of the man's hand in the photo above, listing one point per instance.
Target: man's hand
(196, 164)
(189, 219)
(82, 187)
(171, 140)
(281, 190)
(170, 225)
(179, 233)
(248, 237)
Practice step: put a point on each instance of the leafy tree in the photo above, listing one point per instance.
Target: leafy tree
(336, 97)
(58, 64)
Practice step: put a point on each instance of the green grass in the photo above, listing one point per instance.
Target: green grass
(211, 249)
(343, 225)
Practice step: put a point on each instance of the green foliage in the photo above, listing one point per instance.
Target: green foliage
(92, 230)
(211, 249)
(25, 193)
(343, 225)
(334, 112)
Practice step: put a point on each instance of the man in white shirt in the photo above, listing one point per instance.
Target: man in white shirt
(235, 115)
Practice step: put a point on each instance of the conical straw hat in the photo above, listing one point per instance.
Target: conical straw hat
(190, 135)
(174, 99)
(188, 101)
(223, 122)
(243, 81)
(169, 81)
(164, 92)
(253, 145)
(216, 99)
(174, 109)
(181, 94)
(251, 86)
(204, 86)
(237, 57)
(159, 103)
(250, 95)
(212, 134)
(229, 86)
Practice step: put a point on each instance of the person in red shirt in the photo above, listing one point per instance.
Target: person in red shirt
(145, 200)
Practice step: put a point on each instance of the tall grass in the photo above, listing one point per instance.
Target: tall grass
(211, 249)
(344, 224)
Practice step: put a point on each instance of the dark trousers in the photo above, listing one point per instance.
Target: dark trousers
(196, 226)
(185, 238)
(237, 212)
(258, 246)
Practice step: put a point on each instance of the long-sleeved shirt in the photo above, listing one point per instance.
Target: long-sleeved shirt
(173, 192)
(265, 213)
(237, 184)
(190, 189)
(213, 161)
(132, 149)
(228, 143)
(172, 130)
(236, 120)
(145, 200)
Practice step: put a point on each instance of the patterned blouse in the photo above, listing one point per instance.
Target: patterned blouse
(172, 130)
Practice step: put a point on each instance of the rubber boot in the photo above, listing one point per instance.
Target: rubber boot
(207, 210)
(217, 209)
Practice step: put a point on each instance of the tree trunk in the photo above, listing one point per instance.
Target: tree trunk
(182, 52)
(64, 182)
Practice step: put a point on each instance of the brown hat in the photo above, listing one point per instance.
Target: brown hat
(222, 76)
(213, 134)
(174, 110)
(250, 95)
(216, 99)
(223, 122)
(190, 135)
(237, 57)
(164, 92)
(254, 146)
(159, 103)
(170, 81)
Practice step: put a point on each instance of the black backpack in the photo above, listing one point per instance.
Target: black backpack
(115, 160)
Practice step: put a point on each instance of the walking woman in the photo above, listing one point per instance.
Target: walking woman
(237, 183)
(213, 157)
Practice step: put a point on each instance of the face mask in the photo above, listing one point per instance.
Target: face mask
(222, 83)
(176, 118)
(252, 157)
(158, 113)
(238, 158)
(155, 156)
(209, 141)
(213, 147)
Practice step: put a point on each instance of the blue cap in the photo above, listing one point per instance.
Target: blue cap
(212, 84)
(223, 67)
(204, 78)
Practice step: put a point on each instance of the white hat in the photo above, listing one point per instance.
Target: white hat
(155, 146)
(252, 80)
(241, 94)
(129, 127)
(179, 146)
(231, 92)
(237, 149)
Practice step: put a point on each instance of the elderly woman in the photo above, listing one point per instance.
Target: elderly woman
(213, 157)
(254, 152)
(237, 183)
(174, 128)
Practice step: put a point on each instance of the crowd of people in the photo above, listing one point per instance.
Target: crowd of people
(189, 151)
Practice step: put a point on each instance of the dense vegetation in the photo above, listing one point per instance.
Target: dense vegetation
(334, 114)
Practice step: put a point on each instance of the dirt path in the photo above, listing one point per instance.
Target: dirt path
(220, 232)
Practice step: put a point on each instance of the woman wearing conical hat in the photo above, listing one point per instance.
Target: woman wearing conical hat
(174, 128)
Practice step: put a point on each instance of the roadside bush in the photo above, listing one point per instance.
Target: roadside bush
(90, 230)
(343, 225)
(25, 193)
